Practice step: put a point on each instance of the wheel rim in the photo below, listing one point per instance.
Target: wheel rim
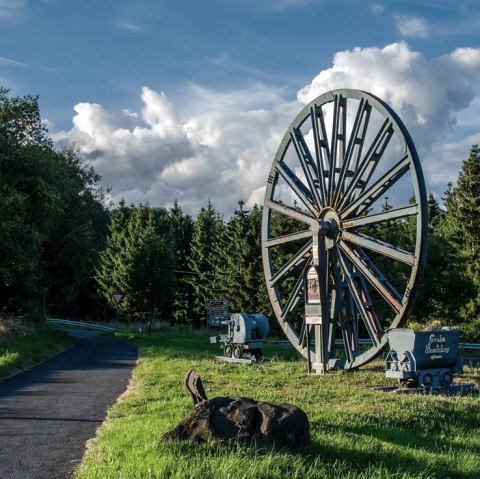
(237, 352)
(341, 156)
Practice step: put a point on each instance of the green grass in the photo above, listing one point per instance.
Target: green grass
(356, 432)
(17, 353)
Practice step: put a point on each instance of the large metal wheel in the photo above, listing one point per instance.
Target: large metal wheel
(346, 170)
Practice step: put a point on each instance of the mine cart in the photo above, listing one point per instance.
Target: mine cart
(245, 337)
(429, 358)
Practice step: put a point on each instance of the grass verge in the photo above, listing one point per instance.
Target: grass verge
(356, 432)
(19, 352)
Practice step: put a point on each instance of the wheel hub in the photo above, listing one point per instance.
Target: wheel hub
(330, 218)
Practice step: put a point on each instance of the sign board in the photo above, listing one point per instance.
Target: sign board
(313, 287)
(117, 298)
(217, 312)
(218, 321)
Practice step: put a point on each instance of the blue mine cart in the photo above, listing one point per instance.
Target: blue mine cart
(427, 358)
(245, 337)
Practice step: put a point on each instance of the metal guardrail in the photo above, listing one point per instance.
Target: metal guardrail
(366, 342)
(473, 346)
(95, 327)
(280, 342)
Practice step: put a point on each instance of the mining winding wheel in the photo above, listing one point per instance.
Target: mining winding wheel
(344, 228)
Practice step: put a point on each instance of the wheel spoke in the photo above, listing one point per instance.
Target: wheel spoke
(364, 265)
(380, 217)
(290, 238)
(322, 151)
(337, 149)
(362, 301)
(292, 264)
(345, 310)
(334, 309)
(291, 212)
(302, 334)
(378, 189)
(338, 287)
(367, 166)
(304, 195)
(351, 319)
(381, 247)
(294, 300)
(354, 149)
(307, 163)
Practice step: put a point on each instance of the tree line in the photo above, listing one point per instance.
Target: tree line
(65, 251)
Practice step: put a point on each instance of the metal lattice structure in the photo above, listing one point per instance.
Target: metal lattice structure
(325, 227)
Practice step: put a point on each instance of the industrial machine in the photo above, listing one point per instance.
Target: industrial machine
(245, 336)
(427, 359)
(325, 241)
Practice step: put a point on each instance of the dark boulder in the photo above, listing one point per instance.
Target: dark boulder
(235, 420)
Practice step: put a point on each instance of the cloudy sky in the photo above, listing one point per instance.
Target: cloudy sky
(189, 99)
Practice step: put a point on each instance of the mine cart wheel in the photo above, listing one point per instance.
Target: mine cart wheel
(228, 350)
(446, 378)
(237, 351)
(344, 173)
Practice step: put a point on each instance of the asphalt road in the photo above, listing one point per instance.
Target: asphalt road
(48, 413)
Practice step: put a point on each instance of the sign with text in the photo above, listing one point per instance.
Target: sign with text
(217, 312)
(313, 287)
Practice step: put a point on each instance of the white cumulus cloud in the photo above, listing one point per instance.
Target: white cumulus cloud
(427, 94)
(222, 150)
(220, 145)
(411, 26)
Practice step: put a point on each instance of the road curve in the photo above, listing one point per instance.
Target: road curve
(47, 413)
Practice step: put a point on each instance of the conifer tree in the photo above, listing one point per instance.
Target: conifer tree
(443, 287)
(151, 277)
(203, 262)
(462, 228)
(181, 231)
(435, 213)
(138, 262)
(111, 275)
(263, 304)
(243, 266)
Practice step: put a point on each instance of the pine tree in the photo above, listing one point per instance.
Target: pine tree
(443, 287)
(151, 277)
(203, 261)
(467, 206)
(111, 275)
(242, 260)
(138, 262)
(262, 300)
(462, 229)
(181, 231)
(435, 213)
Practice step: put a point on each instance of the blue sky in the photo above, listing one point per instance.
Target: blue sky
(189, 99)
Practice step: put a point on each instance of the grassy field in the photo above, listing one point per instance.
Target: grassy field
(33, 346)
(356, 432)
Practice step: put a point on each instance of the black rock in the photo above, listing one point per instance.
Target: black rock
(235, 420)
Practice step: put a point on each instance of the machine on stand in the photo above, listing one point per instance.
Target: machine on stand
(244, 339)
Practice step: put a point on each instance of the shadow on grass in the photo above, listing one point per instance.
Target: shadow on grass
(178, 345)
(409, 456)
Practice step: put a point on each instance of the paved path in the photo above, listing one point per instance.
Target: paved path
(49, 412)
